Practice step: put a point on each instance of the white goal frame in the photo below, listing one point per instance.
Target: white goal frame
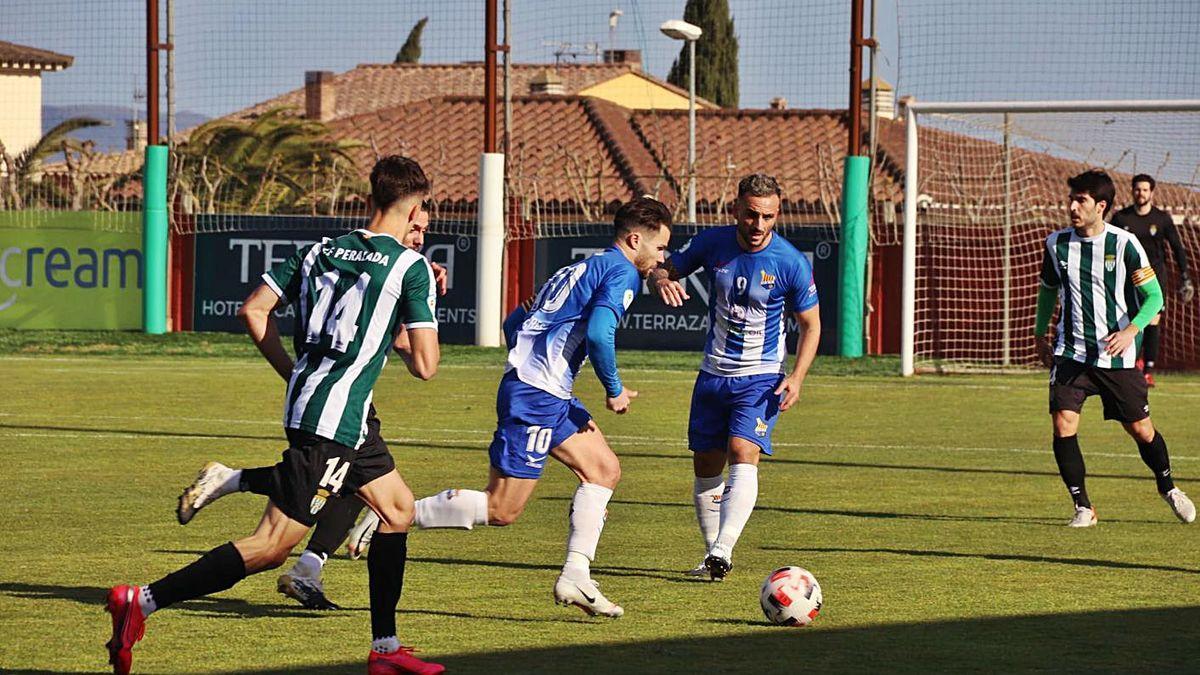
(914, 108)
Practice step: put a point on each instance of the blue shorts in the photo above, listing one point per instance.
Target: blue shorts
(529, 424)
(746, 407)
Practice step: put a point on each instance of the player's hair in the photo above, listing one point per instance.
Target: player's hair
(1143, 178)
(759, 185)
(641, 213)
(1096, 184)
(394, 178)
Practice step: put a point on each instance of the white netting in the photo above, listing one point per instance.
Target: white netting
(987, 204)
(68, 88)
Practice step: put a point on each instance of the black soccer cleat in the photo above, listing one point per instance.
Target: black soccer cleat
(308, 592)
(717, 566)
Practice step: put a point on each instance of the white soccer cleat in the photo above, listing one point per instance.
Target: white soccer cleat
(360, 535)
(1183, 507)
(1085, 516)
(208, 486)
(585, 594)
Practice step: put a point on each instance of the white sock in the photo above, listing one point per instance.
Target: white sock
(589, 509)
(463, 509)
(706, 493)
(385, 645)
(741, 492)
(146, 601)
(231, 484)
(309, 565)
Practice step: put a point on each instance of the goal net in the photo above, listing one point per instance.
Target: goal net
(991, 185)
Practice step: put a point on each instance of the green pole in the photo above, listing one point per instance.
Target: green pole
(154, 241)
(852, 256)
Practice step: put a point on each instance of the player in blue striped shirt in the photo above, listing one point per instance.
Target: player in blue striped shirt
(756, 279)
(574, 316)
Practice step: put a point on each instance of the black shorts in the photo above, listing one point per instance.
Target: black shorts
(1123, 390)
(315, 469)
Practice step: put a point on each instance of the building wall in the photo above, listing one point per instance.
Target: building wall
(21, 111)
(638, 93)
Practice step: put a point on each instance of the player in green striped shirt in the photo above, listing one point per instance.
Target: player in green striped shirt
(1100, 276)
(353, 294)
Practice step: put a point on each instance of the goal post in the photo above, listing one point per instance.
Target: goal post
(984, 183)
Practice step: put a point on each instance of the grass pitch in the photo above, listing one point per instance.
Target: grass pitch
(930, 510)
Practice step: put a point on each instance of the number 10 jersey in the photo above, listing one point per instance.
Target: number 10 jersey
(349, 294)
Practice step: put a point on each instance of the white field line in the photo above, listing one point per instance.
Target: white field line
(480, 437)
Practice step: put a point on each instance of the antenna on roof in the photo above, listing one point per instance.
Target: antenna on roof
(569, 49)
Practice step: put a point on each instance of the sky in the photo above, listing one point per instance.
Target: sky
(233, 53)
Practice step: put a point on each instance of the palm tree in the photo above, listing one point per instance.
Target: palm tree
(22, 184)
(274, 163)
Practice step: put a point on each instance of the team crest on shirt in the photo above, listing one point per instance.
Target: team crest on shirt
(1153, 230)
(628, 299)
(760, 429)
(318, 501)
(766, 280)
(1110, 263)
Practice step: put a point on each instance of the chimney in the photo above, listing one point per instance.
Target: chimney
(320, 98)
(779, 103)
(629, 57)
(546, 82)
(135, 135)
(885, 98)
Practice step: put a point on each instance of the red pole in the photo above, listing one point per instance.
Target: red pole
(854, 143)
(152, 72)
(490, 48)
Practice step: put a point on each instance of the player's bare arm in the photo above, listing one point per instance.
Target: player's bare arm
(806, 350)
(256, 314)
(666, 281)
(423, 353)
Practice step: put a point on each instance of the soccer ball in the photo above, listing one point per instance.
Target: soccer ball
(791, 596)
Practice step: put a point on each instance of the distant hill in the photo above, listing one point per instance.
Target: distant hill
(111, 137)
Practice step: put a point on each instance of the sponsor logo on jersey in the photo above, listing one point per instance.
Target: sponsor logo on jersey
(766, 280)
(318, 501)
(760, 429)
(1110, 262)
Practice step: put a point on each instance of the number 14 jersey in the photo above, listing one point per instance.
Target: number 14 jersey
(349, 294)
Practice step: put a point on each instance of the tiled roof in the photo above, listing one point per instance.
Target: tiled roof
(370, 87)
(558, 153)
(968, 172)
(13, 55)
(801, 148)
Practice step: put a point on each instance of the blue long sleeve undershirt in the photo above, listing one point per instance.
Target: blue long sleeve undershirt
(602, 349)
(512, 324)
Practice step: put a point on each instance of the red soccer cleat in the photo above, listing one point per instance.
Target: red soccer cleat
(128, 626)
(401, 662)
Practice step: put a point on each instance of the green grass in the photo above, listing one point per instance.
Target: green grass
(929, 509)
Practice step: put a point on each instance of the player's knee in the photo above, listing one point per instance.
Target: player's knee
(1142, 431)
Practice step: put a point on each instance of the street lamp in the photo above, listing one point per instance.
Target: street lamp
(677, 29)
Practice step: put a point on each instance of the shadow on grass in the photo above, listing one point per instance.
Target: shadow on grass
(1055, 521)
(903, 467)
(1142, 640)
(1008, 557)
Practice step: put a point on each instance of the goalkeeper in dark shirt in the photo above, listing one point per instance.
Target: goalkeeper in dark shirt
(1153, 226)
